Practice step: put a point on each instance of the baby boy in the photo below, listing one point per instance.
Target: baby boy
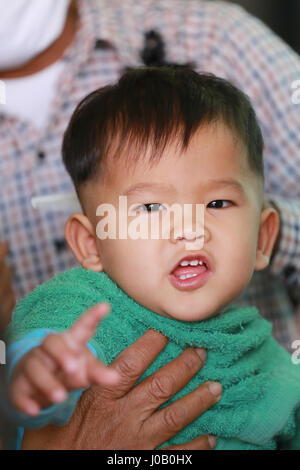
(162, 138)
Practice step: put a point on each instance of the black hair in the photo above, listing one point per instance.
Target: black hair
(148, 108)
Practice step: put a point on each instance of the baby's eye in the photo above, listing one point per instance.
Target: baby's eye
(219, 204)
(152, 207)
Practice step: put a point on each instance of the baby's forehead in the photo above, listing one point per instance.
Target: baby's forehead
(177, 174)
(135, 159)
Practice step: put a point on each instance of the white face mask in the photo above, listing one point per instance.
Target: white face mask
(28, 27)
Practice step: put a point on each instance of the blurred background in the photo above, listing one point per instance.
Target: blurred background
(283, 16)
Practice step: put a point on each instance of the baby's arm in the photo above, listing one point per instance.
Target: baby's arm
(63, 362)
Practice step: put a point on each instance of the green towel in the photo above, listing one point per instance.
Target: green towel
(260, 404)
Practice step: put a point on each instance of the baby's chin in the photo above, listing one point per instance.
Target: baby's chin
(190, 315)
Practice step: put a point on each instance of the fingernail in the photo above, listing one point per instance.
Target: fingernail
(215, 388)
(212, 441)
(201, 353)
(59, 395)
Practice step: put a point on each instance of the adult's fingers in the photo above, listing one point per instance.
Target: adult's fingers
(168, 421)
(165, 382)
(135, 359)
(205, 442)
(77, 336)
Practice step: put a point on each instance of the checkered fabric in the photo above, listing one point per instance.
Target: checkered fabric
(217, 37)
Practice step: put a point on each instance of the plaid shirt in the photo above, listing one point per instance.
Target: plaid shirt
(218, 38)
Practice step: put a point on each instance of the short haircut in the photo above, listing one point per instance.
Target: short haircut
(149, 107)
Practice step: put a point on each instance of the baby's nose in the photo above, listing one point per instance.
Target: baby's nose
(194, 239)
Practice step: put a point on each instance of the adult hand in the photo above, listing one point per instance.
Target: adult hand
(7, 298)
(122, 417)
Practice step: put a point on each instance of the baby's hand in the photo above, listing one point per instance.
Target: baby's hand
(61, 363)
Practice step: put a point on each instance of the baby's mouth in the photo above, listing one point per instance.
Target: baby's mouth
(190, 272)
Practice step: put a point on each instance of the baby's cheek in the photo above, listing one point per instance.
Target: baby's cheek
(239, 265)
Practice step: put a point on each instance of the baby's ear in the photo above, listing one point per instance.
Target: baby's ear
(79, 233)
(268, 232)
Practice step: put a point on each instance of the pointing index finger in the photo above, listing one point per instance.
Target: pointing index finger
(84, 328)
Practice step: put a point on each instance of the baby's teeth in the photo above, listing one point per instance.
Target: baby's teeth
(187, 276)
(191, 263)
(184, 263)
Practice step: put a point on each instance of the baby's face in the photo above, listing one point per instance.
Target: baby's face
(148, 270)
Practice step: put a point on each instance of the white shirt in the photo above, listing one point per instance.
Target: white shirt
(30, 98)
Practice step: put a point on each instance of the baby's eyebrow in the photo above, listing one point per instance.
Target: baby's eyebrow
(140, 187)
(168, 188)
(235, 184)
